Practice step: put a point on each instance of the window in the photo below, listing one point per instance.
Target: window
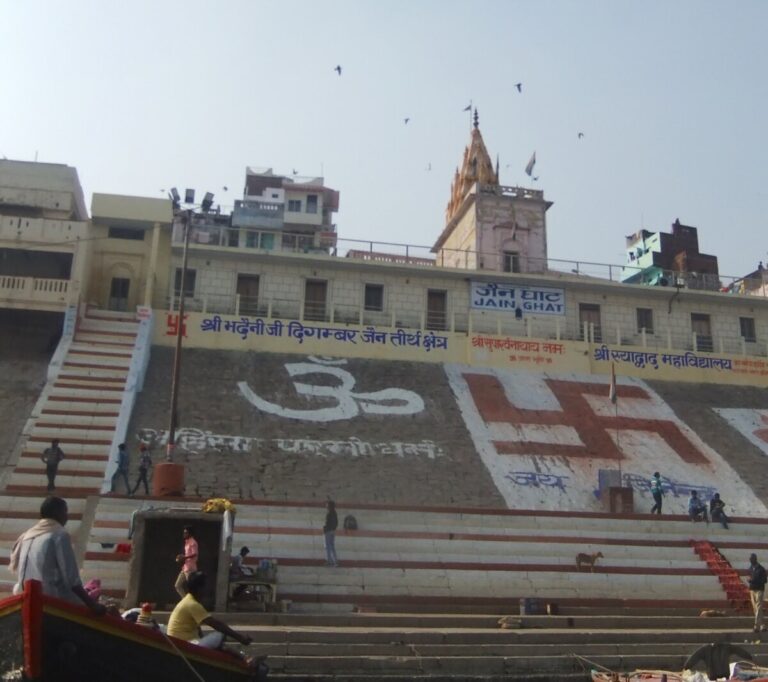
(126, 233)
(589, 313)
(702, 327)
(747, 329)
(311, 203)
(189, 283)
(645, 320)
(374, 297)
(511, 261)
(294, 205)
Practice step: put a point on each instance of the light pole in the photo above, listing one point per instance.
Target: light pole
(169, 476)
(179, 334)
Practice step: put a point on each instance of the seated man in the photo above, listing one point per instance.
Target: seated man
(717, 510)
(190, 614)
(237, 567)
(697, 510)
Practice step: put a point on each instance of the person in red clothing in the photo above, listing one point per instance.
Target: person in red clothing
(188, 560)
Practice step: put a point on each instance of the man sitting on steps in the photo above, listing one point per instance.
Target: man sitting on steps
(697, 509)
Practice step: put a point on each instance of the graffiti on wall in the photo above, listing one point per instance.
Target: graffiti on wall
(347, 403)
(197, 440)
(752, 424)
(544, 439)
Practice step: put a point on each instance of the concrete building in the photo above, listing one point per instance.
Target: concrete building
(44, 230)
(670, 259)
(278, 214)
(129, 260)
(489, 226)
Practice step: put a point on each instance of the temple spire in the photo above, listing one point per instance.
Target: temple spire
(476, 168)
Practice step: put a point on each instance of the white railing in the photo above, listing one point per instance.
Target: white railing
(34, 289)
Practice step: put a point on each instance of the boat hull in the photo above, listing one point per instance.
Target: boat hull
(50, 640)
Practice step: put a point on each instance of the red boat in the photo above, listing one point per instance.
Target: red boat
(50, 640)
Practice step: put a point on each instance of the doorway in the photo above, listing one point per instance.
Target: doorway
(437, 309)
(248, 291)
(315, 293)
(590, 313)
(118, 293)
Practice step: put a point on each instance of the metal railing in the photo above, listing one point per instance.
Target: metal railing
(325, 242)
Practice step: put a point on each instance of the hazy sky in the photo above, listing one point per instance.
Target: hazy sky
(671, 97)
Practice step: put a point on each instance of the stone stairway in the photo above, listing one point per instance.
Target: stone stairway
(735, 589)
(79, 406)
(450, 647)
(458, 560)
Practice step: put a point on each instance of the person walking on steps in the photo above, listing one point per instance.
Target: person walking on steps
(657, 492)
(329, 532)
(145, 463)
(122, 469)
(51, 457)
(757, 580)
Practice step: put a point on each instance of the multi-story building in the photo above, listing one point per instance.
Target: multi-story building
(278, 214)
(44, 236)
(670, 259)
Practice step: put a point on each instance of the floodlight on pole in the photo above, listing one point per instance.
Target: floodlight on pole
(189, 196)
(207, 202)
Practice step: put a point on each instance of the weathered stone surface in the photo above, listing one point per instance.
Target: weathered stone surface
(361, 457)
(27, 341)
(695, 403)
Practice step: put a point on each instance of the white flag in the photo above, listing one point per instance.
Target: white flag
(531, 164)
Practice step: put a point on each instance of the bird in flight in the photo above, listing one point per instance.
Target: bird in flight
(225, 188)
(295, 172)
(338, 69)
(429, 166)
(519, 87)
(581, 135)
(405, 120)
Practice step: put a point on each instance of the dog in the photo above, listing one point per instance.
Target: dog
(587, 560)
(712, 613)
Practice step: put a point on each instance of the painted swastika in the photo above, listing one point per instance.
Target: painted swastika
(593, 430)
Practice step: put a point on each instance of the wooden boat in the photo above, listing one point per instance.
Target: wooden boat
(50, 640)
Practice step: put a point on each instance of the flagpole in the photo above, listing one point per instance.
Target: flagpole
(618, 448)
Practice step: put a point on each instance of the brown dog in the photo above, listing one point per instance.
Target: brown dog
(587, 560)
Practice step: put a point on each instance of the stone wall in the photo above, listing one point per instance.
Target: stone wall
(350, 443)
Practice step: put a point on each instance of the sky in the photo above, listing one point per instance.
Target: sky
(672, 99)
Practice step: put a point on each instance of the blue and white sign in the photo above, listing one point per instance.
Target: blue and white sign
(506, 296)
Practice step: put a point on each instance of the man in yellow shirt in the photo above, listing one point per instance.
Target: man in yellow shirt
(190, 614)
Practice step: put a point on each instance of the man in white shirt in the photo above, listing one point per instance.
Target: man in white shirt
(44, 553)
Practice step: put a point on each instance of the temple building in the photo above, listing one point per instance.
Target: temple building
(489, 226)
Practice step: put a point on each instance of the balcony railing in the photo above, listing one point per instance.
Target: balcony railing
(35, 291)
(472, 321)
